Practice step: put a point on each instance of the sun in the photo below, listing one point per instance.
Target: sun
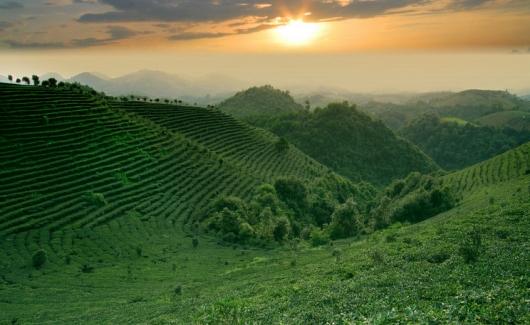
(297, 33)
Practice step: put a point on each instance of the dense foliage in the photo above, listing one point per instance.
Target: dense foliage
(350, 142)
(258, 101)
(291, 209)
(413, 199)
(454, 146)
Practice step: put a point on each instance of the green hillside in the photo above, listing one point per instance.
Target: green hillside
(350, 143)
(518, 120)
(469, 105)
(455, 145)
(260, 101)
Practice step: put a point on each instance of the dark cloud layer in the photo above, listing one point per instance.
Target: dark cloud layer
(215, 11)
(10, 5)
(115, 33)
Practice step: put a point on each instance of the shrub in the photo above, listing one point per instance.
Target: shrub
(293, 192)
(282, 229)
(319, 237)
(438, 257)
(86, 268)
(346, 221)
(94, 198)
(39, 258)
(195, 242)
(471, 246)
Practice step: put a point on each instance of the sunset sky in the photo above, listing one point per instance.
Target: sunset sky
(390, 44)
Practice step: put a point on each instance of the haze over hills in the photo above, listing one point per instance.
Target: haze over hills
(203, 90)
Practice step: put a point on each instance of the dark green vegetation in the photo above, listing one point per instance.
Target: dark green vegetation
(100, 204)
(455, 145)
(482, 107)
(260, 101)
(350, 142)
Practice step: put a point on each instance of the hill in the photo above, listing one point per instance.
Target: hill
(469, 105)
(260, 101)
(351, 143)
(455, 145)
(71, 160)
(518, 120)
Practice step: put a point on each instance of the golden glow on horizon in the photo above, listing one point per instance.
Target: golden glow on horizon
(297, 33)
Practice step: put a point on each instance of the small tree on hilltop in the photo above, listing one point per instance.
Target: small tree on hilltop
(36, 80)
(52, 82)
(26, 80)
(10, 78)
(18, 80)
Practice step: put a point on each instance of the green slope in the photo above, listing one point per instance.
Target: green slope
(350, 143)
(404, 274)
(454, 145)
(518, 120)
(260, 101)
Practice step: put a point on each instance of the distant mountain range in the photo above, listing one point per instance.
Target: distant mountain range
(206, 90)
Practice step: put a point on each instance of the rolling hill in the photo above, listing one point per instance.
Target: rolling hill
(260, 101)
(469, 105)
(457, 144)
(518, 120)
(72, 161)
(351, 143)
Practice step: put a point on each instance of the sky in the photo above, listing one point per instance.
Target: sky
(359, 45)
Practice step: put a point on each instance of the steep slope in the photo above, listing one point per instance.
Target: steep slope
(350, 143)
(260, 101)
(511, 165)
(455, 145)
(69, 161)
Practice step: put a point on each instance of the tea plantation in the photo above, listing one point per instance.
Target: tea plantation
(98, 199)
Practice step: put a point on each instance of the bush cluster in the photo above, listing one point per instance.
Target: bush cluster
(289, 209)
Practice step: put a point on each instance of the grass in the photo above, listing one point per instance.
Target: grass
(111, 220)
(457, 120)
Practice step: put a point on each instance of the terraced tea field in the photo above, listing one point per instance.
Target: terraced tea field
(71, 165)
(507, 166)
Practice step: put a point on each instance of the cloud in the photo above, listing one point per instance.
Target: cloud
(200, 35)
(10, 5)
(33, 45)
(216, 11)
(5, 25)
(115, 34)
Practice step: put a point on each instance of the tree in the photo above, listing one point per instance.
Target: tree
(26, 80)
(52, 82)
(45, 83)
(281, 230)
(18, 80)
(10, 78)
(35, 79)
(346, 221)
